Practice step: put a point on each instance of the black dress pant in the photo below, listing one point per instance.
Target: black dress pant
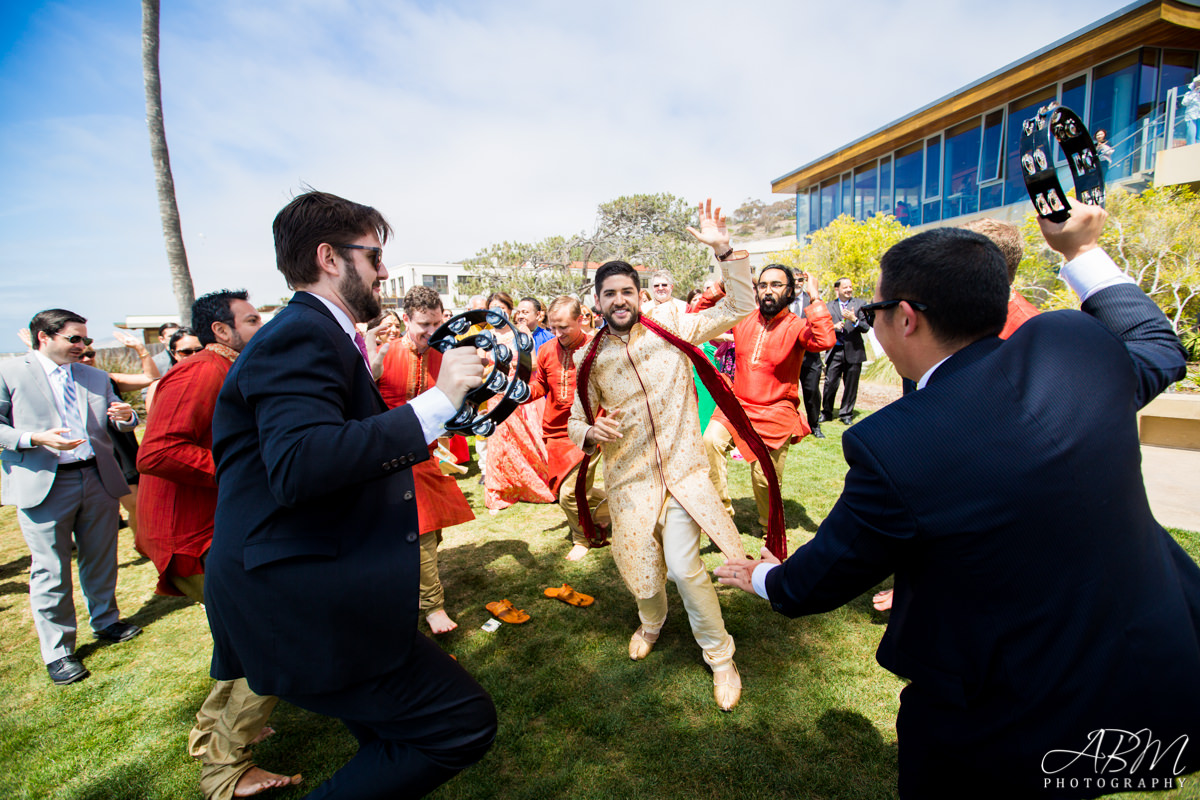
(837, 370)
(417, 727)
(810, 388)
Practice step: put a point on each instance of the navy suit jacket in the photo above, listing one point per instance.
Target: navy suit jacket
(311, 581)
(1036, 598)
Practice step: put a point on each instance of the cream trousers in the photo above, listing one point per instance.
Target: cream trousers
(718, 441)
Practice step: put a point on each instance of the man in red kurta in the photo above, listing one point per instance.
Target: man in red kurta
(177, 501)
(410, 367)
(554, 379)
(769, 347)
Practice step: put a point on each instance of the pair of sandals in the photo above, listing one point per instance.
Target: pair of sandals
(504, 610)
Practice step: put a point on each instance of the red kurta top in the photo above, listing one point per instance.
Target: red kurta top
(766, 372)
(554, 379)
(177, 492)
(1020, 311)
(440, 503)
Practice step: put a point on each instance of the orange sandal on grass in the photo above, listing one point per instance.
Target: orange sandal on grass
(503, 610)
(570, 596)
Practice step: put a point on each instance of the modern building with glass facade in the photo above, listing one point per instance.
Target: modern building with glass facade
(958, 157)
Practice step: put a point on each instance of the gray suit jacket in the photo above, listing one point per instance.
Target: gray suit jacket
(27, 406)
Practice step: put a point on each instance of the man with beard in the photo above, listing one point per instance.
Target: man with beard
(409, 368)
(311, 581)
(554, 379)
(176, 504)
(769, 347)
(655, 470)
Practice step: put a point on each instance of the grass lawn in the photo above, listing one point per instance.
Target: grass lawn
(578, 719)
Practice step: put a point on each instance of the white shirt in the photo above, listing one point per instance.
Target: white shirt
(56, 374)
(432, 407)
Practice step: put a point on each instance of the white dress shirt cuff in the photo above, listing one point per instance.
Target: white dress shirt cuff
(759, 579)
(1091, 272)
(434, 410)
(25, 442)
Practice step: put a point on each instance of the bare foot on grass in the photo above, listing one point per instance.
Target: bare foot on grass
(577, 552)
(257, 780)
(440, 622)
(883, 600)
(266, 732)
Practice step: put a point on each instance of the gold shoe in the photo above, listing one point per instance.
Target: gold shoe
(727, 687)
(641, 643)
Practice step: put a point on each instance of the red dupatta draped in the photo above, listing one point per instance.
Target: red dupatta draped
(776, 539)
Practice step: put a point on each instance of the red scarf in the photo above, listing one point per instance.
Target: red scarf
(776, 540)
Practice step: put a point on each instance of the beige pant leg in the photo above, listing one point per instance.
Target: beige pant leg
(192, 586)
(432, 597)
(225, 750)
(718, 441)
(597, 501)
(758, 480)
(681, 548)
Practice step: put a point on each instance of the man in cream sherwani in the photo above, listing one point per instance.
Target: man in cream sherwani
(655, 470)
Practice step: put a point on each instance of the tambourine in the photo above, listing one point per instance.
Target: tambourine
(1037, 166)
(477, 328)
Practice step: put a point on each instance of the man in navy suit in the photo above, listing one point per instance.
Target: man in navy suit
(1049, 627)
(311, 581)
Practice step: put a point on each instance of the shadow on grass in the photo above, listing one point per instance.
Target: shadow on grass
(745, 514)
(15, 567)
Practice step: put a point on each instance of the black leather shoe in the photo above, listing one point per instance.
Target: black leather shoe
(847, 421)
(824, 418)
(119, 632)
(817, 432)
(67, 669)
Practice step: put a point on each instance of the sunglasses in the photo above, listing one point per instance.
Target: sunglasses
(375, 253)
(76, 339)
(868, 311)
(188, 351)
(89, 354)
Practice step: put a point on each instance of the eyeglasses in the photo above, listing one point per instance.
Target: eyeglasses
(660, 285)
(76, 339)
(776, 285)
(88, 354)
(376, 252)
(868, 311)
(188, 351)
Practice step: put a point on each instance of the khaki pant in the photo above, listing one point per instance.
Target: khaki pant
(230, 718)
(597, 501)
(432, 597)
(680, 537)
(718, 441)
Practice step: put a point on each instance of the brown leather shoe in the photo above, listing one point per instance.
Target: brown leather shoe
(727, 687)
(641, 643)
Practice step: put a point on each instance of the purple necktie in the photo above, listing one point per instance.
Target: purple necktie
(362, 347)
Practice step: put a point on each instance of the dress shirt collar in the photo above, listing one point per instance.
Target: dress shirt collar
(48, 364)
(339, 315)
(929, 373)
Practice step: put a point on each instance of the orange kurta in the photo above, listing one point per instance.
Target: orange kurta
(406, 373)
(766, 374)
(554, 379)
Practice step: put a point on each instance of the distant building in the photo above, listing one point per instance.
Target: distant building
(958, 157)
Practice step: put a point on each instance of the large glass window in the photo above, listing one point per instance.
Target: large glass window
(847, 194)
(1018, 112)
(993, 146)
(1114, 110)
(908, 169)
(439, 283)
(1178, 67)
(959, 190)
(831, 200)
(885, 185)
(865, 180)
(933, 180)
(814, 209)
(801, 215)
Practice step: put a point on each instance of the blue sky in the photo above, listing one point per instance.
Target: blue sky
(466, 123)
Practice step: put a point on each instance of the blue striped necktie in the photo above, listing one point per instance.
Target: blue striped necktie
(71, 400)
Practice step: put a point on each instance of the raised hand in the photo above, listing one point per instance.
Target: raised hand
(1077, 235)
(712, 230)
(125, 338)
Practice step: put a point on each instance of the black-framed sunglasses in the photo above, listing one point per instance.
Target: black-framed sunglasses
(868, 311)
(188, 351)
(76, 339)
(376, 252)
